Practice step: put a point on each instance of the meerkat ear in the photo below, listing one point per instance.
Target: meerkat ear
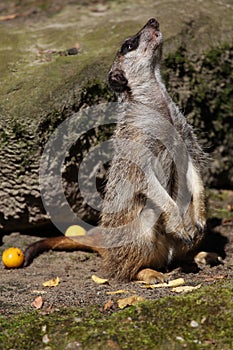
(117, 80)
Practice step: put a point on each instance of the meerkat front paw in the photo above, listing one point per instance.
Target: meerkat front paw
(185, 235)
(191, 232)
(196, 230)
(200, 226)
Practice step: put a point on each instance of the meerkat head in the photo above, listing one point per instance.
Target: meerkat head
(137, 58)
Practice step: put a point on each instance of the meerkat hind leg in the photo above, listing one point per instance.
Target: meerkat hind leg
(151, 276)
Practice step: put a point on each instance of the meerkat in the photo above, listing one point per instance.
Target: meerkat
(154, 204)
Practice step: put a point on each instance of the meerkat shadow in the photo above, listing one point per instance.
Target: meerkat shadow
(214, 241)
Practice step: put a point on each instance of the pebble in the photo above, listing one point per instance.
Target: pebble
(45, 339)
(194, 324)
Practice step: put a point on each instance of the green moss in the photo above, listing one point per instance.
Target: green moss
(178, 62)
(95, 93)
(220, 204)
(210, 81)
(162, 324)
(203, 87)
(211, 61)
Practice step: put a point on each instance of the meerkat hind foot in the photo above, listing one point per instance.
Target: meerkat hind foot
(208, 258)
(151, 276)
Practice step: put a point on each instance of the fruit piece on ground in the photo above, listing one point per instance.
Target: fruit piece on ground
(12, 257)
(75, 230)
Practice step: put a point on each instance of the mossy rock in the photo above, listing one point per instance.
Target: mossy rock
(204, 90)
(44, 82)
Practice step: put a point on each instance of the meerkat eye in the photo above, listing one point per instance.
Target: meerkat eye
(130, 45)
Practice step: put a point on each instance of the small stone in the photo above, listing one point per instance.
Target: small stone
(180, 338)
(45, 339)
(194, 324)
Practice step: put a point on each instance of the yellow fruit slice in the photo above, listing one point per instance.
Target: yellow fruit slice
(12, 257)
(75, 230)
(99, 280)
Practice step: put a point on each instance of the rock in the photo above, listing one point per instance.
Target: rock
(40, 88)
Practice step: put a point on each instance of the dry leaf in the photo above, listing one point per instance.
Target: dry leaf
(185, 289)
(15, 15)
(173, 283)
(52, 283)
(38, 302)
(99, 280)
(214, 278)
(120, 291)
(108, 305)
(132, 300)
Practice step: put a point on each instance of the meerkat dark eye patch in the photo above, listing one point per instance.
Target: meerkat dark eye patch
(117, 80)
(130, 45)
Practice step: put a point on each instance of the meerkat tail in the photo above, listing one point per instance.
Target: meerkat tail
(90, 242)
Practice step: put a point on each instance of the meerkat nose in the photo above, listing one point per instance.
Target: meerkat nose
(154, 23)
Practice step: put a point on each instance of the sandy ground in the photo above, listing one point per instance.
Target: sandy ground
(19, 287)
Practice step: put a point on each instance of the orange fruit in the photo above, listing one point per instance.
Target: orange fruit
(12, 257)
